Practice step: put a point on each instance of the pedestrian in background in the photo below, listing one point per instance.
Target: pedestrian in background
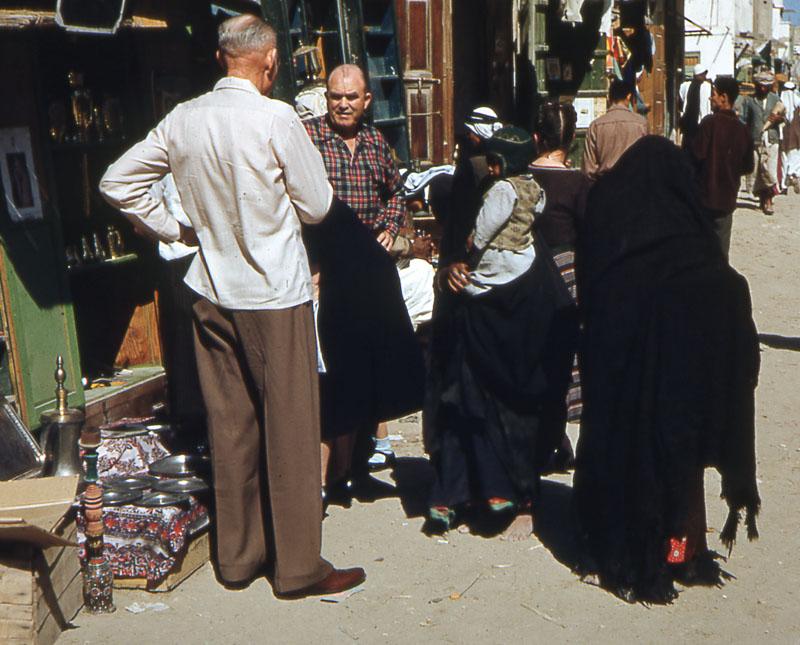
(761, 113)
(790, 140)
(565, 191)
(611, 134)
(723, 152)
(694, 99)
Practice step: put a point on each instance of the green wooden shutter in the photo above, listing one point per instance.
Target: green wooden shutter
(39, 314)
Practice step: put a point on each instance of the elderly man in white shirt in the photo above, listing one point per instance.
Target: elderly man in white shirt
(247, 175)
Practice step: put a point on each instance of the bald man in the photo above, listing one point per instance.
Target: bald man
(248, 175)
(365, 176)
(358, 159)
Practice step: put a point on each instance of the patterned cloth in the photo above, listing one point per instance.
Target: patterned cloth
(368, 181)
(129, 456)
(142, 542)
(145, 542)
(566, 265)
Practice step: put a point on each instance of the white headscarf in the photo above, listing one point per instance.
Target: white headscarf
(483, 122)
(790, 97)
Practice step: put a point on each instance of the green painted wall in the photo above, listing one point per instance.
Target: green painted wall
(35, 292)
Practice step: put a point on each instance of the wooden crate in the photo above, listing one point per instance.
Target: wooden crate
(41, 590)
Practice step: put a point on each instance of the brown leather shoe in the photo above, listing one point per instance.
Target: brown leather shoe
(336, 581)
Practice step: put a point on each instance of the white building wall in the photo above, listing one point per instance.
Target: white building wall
(743, 16)
(762, 20)
(781, 29)
(719, 18)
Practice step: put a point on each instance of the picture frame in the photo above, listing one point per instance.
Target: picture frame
(553, 68)
(585, 109)
(18, 175)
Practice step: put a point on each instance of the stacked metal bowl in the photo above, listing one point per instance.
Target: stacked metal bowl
(170, 483)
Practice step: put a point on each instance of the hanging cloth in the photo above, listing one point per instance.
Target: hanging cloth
(572, 10)
(608, 17)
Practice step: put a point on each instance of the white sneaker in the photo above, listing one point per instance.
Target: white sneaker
(380, 460)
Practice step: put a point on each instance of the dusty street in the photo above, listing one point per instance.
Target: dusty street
(525, 592)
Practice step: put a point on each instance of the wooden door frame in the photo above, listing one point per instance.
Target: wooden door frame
(438, 80)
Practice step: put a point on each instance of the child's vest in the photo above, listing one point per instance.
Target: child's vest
(516, 234)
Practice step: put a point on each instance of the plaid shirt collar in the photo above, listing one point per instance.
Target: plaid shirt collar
(327, 133)
(367, 178)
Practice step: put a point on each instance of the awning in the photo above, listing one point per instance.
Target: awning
(30, 18)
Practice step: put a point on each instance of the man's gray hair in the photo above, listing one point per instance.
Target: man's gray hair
(242, 35)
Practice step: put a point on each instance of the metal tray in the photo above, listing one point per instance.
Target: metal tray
(137, 429)
(114, 497)
(133, 482)
(159, 428)
(181, 466)
(123, 432)
(156, 499)
(187, 485)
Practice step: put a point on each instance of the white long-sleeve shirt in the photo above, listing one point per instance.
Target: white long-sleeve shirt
(247, 175)
(705, 98)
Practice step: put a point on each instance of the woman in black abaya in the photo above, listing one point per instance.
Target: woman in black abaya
(670, 362)
(503, 335)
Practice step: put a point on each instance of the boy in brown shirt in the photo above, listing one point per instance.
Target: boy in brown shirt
(723, 151)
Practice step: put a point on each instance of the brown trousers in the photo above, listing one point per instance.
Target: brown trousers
(258, 376)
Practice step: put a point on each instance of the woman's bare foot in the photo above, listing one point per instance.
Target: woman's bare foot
(520, 529)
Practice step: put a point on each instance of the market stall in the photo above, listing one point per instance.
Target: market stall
(155, 505)
(76, 280)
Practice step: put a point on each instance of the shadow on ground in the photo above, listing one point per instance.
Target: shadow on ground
(413, 477)
(747, 205)
(780, 342)
(555, 523)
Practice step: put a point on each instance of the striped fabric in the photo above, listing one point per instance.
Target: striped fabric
(565, 261)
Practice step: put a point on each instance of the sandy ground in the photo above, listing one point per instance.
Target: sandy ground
(525, 592)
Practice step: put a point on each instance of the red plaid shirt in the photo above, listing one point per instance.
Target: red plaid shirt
(368, 181)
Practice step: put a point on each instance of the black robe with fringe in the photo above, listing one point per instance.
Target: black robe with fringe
(375, 370)
(669, 361)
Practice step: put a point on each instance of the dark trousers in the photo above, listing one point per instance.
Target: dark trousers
(258, 375)
(176, 326)
(723, 223)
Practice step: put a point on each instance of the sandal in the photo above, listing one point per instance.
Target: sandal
(440, 519)
(500, 505)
